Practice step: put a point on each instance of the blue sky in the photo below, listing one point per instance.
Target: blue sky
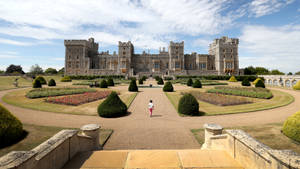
(32, 31)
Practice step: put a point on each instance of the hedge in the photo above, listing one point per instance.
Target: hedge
(197, 84)
(91, 77)
(251, 78)
(36, 84)
(232, 79)
(48, 92)
(297, 86)
(51, 82)
(112, 106)
(189, 82)
(41, 79)
(103, 84)
(246, 82)
(132, 86)
(168, 87)
(66, 79)
(260, 83)
(141, 81)
(291, 127)
(256, 80)
(188, 105)
(110, 82)
(160, 81)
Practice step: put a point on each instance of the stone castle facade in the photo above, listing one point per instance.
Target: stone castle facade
(82, 58)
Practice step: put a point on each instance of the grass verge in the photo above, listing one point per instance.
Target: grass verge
(268, 134)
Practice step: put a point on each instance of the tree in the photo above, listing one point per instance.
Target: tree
(36, 70)
(290, 73)
(14, 68)
(189, 82)
(276, 72)
(168, 87)
(112, 106)
(132, 86)
(297, 73)
(250, 70)
(1, 72)
(61, 71)
(51, 71)
(188, 105)
(261, 71)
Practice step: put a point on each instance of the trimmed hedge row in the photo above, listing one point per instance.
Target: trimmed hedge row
(219, 77)
(48, 92)
(88, 77)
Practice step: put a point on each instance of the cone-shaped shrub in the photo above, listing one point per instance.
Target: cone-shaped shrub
(103, 84)
(41, 79)
(297, 86)
(36, 84)
(66, 79)
(144, 78)
(160, 81)
(246, 82)
(141, 81)
(168, 87)
(189, 82)
(197, 84)
(132, 86)
(291, 127)
(11, 129)
(51, 82)
(232, 79)
(110, 82)
(256, 80)
(188, 105)
(112, 106)
(156, 78)
(260, 83)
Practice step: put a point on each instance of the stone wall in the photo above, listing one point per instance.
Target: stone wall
(56, 151)
(250, 153)
(281, 80)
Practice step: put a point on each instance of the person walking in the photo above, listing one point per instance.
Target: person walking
(151, 107)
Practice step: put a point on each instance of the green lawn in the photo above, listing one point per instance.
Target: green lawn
(18, 98)
(279, 99)
(39, 134)
(268, 134)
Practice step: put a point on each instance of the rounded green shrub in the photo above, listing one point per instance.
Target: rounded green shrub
(11, 129)
(232, 79)
(297, 86)
(144, 78)
(260, 83)
(189, 82)
(160, 81)
(197, 84)
(132, 86)
(112, 106)
(110, 82)
(66, 79)
(103, 84)
(156, 78)
(141, 81)
(51, 82)
(36, 84)
(188, 105)
(291, 127)
(168, 87)
(256, 80)
(41, 79)
(246, 82)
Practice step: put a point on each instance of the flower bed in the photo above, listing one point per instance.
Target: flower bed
(261, 93)
(219, 99)
(47, 92)
(77, 99)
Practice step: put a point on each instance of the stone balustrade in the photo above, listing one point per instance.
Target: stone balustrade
(281, 80)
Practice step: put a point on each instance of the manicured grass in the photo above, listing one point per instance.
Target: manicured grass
(279, 99)
(268, 134)
(18, 98)
(39, 134)
(49, 92)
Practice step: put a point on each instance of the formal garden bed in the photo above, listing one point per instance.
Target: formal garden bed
(261, 93)
(219, 99)
(48, 92)
(204, 82)
(78, 99)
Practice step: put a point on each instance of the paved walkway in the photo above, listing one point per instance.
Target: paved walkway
(165, 130)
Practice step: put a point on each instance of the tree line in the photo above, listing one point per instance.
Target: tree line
(34, 70)
(250, 70)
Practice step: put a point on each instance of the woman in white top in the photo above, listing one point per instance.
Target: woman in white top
(151, 107)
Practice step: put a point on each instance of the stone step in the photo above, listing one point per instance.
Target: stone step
(133, 159)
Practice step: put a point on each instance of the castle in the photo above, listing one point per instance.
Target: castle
(82, 58)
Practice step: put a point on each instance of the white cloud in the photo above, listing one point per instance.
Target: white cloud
(8, 54)
(272, 47)
(58, 59)
(14, 42)
(264, 7)
(204, 43)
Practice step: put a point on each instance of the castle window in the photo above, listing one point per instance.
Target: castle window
(224, 50)
(177, 65)
(231, 50)
(167, 65)
(124, 53)
(156, 65)
(191, 66)
(202, 66)
(224, 56)
(77, 57)
(69, 64)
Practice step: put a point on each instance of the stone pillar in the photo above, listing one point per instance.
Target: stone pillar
(211, 130)
(91, 131)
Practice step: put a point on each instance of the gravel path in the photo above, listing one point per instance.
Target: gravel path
(165, 130)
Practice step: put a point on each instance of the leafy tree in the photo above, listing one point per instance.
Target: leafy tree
(297, 73)
(250, 70)
(261, 71)
(51, 71)
(276, 72)
(290, 73)
(14, 68)
(1, 72)
(61, 71)
(36, 70)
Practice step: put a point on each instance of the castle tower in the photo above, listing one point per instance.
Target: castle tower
(176, 56)
(225, 51)
(126, 51)
(78, 55)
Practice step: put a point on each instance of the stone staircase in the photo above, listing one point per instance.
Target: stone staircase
(195, 158)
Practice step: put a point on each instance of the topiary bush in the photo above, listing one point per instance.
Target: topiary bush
(112, 106)
(246, 82)
(110, 82)
(197, 84)
(156, 78)
(256, 80)
(36, 84)
(189, 82)
(260, 83)
(160, 81)
(297, 86)
(291, 127)
(141, 81)
(144, 78)
(232, 79)
(41, 79)
(103, 84)
(51, 82)
(132, 86)
(188, 105)
(11, 129)
(168, 87)
(66, 79)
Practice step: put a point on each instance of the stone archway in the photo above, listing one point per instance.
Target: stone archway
(275, 82)
(294, 82)
(287, 83)
(270, 81)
